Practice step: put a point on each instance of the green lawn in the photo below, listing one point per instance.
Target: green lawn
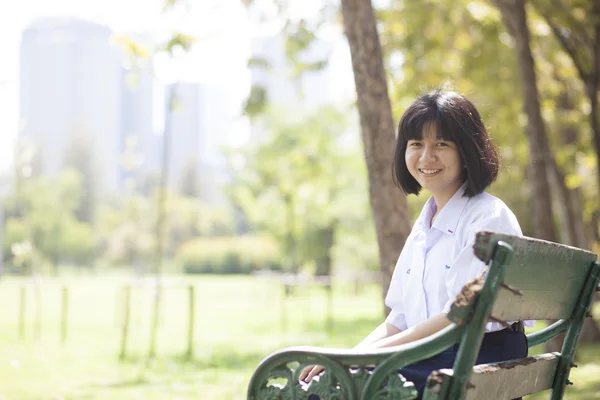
(238, 322)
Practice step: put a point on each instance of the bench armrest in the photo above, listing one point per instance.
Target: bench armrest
(339, 361)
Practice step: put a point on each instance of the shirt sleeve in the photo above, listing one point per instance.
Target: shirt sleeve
(396, 318)
(393, 299)
(466, 266)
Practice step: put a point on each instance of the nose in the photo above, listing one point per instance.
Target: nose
(428, 153)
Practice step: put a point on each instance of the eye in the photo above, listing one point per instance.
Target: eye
(442, 144)
(414, 144)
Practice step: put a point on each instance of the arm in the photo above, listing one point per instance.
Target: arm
(420, 331)
(386, 335)
(383, 331)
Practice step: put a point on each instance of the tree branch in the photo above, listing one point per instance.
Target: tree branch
(566, 44)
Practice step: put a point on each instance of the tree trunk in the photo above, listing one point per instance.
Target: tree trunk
(562, 200)
(592, 85)
(515, 18)
(586, 59)
(388, 203)
(569, 134)
(326, 237)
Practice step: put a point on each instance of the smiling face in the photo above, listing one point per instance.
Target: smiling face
(435, 164)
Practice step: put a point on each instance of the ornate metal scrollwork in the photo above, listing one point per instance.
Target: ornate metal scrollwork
(336, 383)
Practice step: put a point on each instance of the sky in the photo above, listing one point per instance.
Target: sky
(220, 56)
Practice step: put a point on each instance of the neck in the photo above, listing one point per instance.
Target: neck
(441, 199)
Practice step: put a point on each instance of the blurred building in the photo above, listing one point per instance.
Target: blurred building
(200, 125)
(79, 94)
(275, 73)
(74, 87)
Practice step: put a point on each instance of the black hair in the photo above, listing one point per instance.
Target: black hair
(457, 120)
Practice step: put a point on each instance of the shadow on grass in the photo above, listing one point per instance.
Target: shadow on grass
(139, 381)
(344, 328)
(216, 358)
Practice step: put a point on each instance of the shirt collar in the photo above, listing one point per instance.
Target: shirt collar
(447, 219)
(422, 224)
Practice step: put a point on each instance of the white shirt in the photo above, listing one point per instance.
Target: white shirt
(438, 260)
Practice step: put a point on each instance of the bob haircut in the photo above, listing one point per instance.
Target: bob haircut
(457, 120)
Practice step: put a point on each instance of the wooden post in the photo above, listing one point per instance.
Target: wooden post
(38, 311)
(125, 331)
(65, 311)
(329, 322)
(22, 309)
(283, 307)
(192, 313)
(155, 317)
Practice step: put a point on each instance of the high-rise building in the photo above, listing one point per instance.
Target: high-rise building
(275, 73)
(185, 134)
(199, 127)
(73, 84)
(137, 108)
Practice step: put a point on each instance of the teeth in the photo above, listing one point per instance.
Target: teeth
(430, 171)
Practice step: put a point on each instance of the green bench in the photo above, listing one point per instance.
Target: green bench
(526, 279)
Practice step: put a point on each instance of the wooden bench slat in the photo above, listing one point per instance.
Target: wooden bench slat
(533, 304)
(550, 277)
(511, 379)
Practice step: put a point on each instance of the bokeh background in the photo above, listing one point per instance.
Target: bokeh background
(186, 185)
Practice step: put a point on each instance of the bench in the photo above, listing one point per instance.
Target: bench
(525, 279)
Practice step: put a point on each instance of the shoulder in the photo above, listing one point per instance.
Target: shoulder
(487, 212)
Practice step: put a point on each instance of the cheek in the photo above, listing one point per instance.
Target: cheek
(410, 158)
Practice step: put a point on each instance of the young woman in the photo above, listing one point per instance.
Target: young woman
(442, 147)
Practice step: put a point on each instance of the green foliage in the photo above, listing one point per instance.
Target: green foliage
(125, 231)
(256, 102)
(127, 226)
(41, 215)
(465, 43)
(299, 37)
(301, 182)
(228, 255)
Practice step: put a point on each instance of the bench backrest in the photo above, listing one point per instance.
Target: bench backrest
(529, 279)
(549, 276)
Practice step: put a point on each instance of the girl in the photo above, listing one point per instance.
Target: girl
(443, 147)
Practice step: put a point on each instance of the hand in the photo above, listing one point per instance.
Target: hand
(310, 372)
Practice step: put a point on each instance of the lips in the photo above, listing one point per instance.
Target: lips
(429, 171)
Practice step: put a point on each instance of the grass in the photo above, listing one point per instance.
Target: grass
(239, 320)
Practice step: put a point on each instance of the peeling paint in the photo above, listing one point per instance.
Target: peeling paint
(469, 292)
(435, 378)
(511, 289)
(488, 369)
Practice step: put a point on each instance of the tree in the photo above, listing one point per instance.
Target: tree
(576, 26)
(43, 219)
(388, 204)
(515, 19)
(189, 180)
(296, 183)
(79, 156)
(543, 163)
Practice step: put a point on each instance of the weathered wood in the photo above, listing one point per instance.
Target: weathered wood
(438, 385)
(512, 379)
(549, 276)
(474, 331)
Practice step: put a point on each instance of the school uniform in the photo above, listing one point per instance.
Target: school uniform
(435, 263)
